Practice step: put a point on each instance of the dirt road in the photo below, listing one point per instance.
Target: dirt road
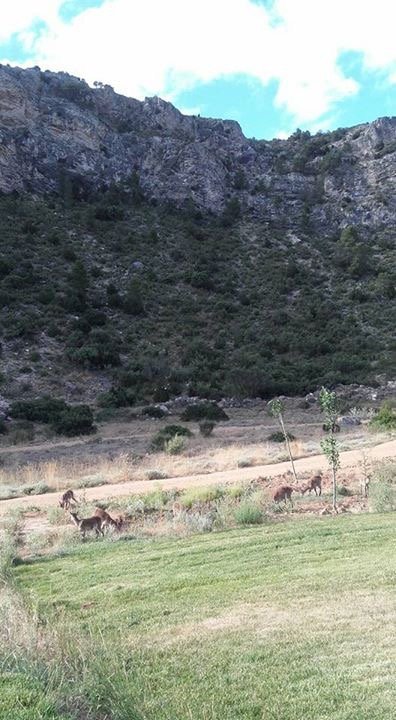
(349, 458)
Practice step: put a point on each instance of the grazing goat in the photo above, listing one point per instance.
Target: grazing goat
(67, 499)
(85, 524)
(106, 519)
(314, 484)
(284, 492)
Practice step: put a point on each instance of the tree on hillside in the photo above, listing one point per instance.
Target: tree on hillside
(79, 283)
(276, 408)
(330, 407)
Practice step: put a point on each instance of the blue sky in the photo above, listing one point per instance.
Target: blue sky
(272, 65)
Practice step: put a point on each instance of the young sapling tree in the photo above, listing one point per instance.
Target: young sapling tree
(276, 408)
(329, 405)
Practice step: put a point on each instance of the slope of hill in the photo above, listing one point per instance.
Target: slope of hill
(155, 253)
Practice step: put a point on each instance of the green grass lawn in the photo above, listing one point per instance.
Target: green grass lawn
(290, 621)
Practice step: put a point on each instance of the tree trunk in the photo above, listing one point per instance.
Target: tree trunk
(288, 446)
(334, 490)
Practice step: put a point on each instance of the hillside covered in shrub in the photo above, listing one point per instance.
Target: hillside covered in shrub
(123, 301)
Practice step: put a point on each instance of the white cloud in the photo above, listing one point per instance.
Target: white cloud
(18, 16)
(146, 47)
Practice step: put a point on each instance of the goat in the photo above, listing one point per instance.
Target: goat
(66, 500)
(314, 484)
(106, 519)
(284, 492)
(85, 524)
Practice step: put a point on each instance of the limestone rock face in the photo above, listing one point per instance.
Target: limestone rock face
(54, 127)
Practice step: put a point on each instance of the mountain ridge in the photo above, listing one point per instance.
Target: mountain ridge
(54, 126)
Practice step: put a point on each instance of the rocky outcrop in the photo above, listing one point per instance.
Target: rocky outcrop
(55, 129)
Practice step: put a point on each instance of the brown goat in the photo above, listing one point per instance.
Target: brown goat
(85, 524)
(106, 519)
(66, 500)
(314, 484)
(284, 492)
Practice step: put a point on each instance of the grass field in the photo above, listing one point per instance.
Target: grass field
(287, 621)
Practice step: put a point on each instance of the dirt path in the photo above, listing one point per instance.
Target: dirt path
(102, 492)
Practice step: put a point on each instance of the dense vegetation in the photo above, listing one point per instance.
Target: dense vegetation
(282, 621)
(165, 302)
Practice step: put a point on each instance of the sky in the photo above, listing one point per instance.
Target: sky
(272, 65)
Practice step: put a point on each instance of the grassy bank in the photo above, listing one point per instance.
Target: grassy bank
(279, 621)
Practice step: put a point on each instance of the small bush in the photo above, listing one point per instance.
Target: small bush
(278, 437)
(8, 551)
(76, 420)
(383, 488)
(93, 481)
(326, 427)
(56, 516)
(117, 397)
(3, 427)
(245, 462)
(200, 495)
(45, 409)
(21, 433)
(108, 413)
(385, 419)
(343, 491)
(155, 500)
(155, 475)
(204, 411)
(161, 393)
(153, 411)
(248, 514)
(382, 497)
(206, 428)
(236, 491)
(175, 445)
(36, 489)
(167, 433)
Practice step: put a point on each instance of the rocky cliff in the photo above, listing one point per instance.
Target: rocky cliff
(54, 127)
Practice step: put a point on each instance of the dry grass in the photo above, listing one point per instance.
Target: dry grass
(201, 456)
(58, 474)
(207, 457)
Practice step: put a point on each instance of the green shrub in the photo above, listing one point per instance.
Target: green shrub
(92, 481)
(153, 411)
(133, 301)
(200, 495)
(236, 491)
(248, 514)
(382, 489)
(343, 491)
(117, 397)
(278, 437)
(155, 475)
(99, 350)
(245, 462)
(21, 432)
(385, 419)
(203, 411)
(167, 433)
(75, 420)
(36, 489)
(3, 427)
(155, 500)
(56, 516)
(161, 393)
(206, 428)
(175, 445)
(45, 409)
